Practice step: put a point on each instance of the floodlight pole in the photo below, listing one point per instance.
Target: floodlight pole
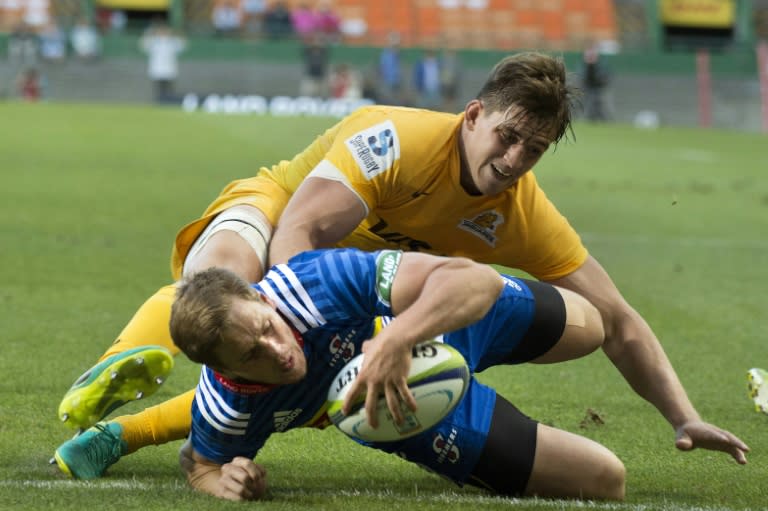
(704, 81)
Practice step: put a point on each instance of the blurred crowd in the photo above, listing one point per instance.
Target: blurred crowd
(37, 41)
(36, 38)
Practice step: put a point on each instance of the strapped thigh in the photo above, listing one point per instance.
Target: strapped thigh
(547, 326)
(242, 220)
(506, 461)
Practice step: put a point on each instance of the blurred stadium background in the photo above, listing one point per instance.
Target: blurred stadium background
(672, 62)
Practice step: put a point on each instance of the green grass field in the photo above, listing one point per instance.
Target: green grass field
(90, 200)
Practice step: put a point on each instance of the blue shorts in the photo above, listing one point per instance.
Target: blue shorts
(510, 333)
(453, 447)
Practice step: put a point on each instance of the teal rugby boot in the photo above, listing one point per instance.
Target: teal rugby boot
(88, 455)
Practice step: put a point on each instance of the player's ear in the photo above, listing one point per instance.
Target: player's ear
(472, 111)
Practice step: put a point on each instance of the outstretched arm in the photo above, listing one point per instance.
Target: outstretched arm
(430, 295)
(633, 348)
(319, 214)
(240, 479)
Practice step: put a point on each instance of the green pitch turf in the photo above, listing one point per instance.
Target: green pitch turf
(90, 200)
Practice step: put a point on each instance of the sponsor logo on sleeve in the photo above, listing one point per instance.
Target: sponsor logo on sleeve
(375, 149)
(386, 267)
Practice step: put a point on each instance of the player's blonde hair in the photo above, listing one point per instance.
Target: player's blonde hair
(536, 83)
(200, 315)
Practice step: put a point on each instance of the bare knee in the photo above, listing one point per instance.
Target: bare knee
(571, 466)
(610, 481)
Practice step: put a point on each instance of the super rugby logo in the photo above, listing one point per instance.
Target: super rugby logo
(375, 149)
(343, 349)
(445, 447)
(483, 226)
(383, 143)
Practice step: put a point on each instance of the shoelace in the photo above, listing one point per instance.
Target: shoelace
(103, 450)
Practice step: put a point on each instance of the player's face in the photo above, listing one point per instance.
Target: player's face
(260, 346)
(499, 147)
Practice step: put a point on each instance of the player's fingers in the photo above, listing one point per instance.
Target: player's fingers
(394, 403)
(253, 470)
(371, 399)
(235, 482)
(351, 396)
(739, 455)
(723, 440)
(736, 447)
(406, 396)
(235, 472)
(738, 442)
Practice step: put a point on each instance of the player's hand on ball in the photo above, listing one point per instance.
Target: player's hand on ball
(242, 479)
(700, 434)
(385, 370)
(437, 379)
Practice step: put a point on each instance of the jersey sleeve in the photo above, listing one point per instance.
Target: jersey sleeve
(384, 155)
(220, 422)
(553, 248)
(345, 284)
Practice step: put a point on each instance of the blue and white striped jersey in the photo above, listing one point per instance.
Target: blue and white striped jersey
(330, 298)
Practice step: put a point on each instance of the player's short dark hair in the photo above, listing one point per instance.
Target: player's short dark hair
(201, 312)
(536, 83)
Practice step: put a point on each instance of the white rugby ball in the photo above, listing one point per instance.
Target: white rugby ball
(438, 379)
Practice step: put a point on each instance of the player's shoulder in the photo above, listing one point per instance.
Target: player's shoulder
(400, 117)
(331, 268)
(330, 257)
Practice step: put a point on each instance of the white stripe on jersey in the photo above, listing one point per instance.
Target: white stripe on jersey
(210, 420)
(299, 289)
(223, 414)
(294, 294)
(288, 313)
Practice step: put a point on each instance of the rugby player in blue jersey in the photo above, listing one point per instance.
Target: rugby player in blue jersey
(387, 178)
(273, 347)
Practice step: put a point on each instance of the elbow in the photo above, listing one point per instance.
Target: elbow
(483, 285)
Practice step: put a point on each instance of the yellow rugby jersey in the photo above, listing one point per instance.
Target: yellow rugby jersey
(404, 166)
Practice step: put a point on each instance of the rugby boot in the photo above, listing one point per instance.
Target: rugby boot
(113, 382)
(88, 455)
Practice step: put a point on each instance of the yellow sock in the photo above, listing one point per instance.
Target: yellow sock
(159, 424)
(149, 326)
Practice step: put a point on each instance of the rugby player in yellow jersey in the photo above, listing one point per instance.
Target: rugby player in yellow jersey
(387, 177)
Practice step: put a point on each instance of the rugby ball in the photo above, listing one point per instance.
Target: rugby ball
(438, 379)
